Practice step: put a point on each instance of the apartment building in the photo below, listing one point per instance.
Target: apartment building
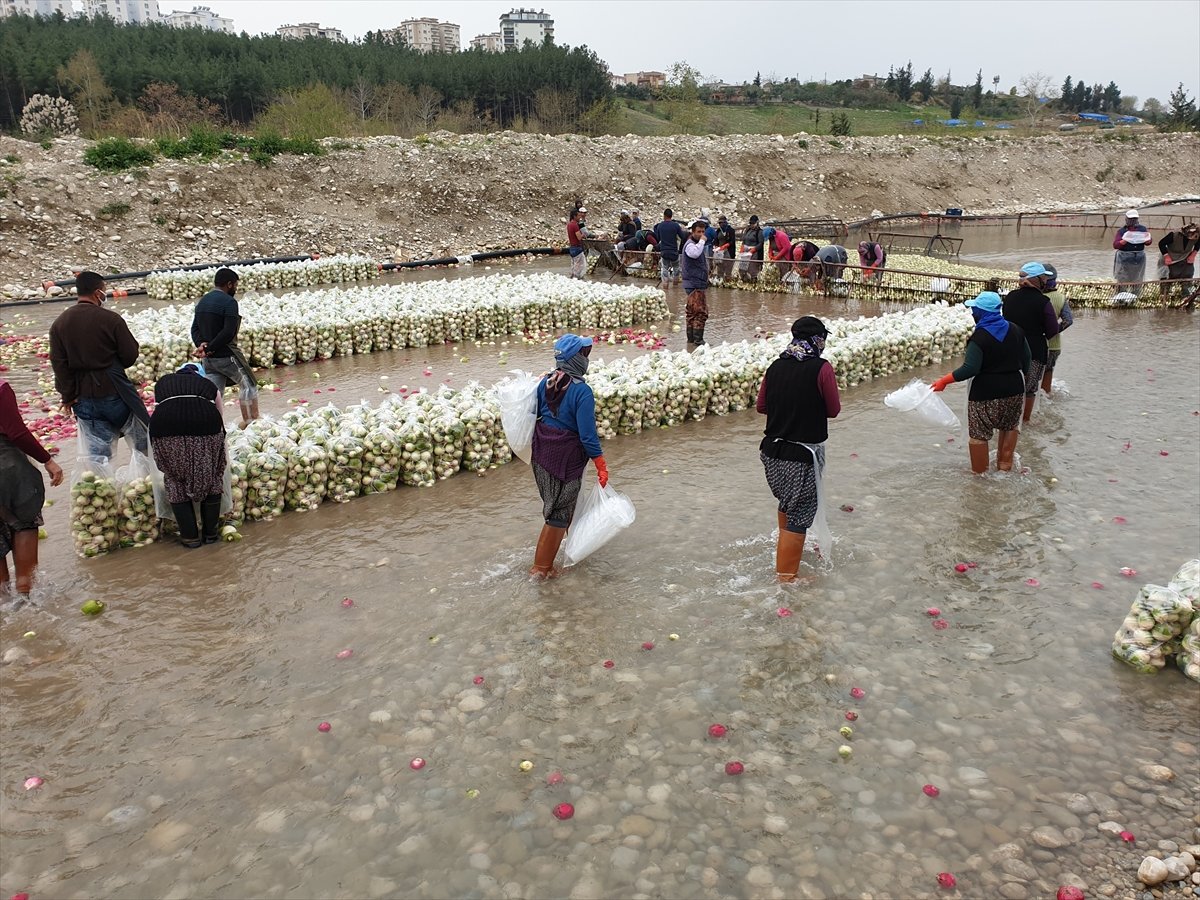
(520, 25)
(645, 79)
(199, 17)
(428, 35)
(136, 12)
(490, 42)
(35, 8)
(310, 30)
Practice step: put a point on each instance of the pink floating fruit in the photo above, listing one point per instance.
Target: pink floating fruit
(930, 790)
(960, 568)
(347, 603)
(608, 664)
(734, 768)
(1128, 572)
(946, 880)
(851, 716)
(846, 507)
(345, 654)
(1032, 582)
(1069, 892)
(554, 778)
(647, 645)
(857, 693)
(478, 679)
(933, 612)
(34, 781)
(324, 727)
(941, 624)
(784, 612)
(1098, 585)
(21, 896)
(564, 811)
(716, 730)
(417, 764)
(1119, 520)
(1127, 837)
(1160, 453)
(972, 565)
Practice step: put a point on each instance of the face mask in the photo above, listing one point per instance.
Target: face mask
(103, 298)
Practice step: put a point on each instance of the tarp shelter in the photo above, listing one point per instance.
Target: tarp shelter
(1094, 117)
(952, 122)
(1128, 120)
(918, 121)
(979, 123)
(1003, 125)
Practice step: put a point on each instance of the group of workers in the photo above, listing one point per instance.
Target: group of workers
(1177, 255)
(90, 349)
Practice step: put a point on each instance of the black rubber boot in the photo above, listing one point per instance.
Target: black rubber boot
(185, 517)
(691, 335)
(210, 516)
(699, 338)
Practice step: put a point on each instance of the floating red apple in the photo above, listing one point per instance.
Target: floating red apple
(734, 768)
(564, 811)
(1069, 892)
(857, 693)
(930, 790)
(324, 727)
(716, 730)
(946, 880)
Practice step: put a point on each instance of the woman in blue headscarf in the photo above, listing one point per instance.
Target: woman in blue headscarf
(997, 359)
(564, 439)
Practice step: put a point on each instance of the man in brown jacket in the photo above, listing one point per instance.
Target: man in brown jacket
(90, 348)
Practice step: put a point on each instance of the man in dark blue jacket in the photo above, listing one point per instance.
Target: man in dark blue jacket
(215, 327)
(670, 237)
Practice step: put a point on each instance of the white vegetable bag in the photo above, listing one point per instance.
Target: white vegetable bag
(600, 516)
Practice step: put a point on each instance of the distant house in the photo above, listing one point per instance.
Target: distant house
(650, 80)
(310, 30)
(199, 17)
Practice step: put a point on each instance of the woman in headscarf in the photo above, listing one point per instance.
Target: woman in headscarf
(799, 396)
(187, 433)
(998, 359)
(872, 259)
(22, 493)
(564, 439)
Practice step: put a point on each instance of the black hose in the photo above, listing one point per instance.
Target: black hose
(120, 276)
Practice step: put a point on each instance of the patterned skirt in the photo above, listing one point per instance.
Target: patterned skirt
(558, 497)
(794, 484)
(193, 467)
(1001, 414)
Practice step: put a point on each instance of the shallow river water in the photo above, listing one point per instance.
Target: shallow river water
(177, 732)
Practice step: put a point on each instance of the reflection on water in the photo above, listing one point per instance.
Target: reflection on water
(177, 732)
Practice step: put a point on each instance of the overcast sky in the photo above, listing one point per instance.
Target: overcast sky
(729, 40)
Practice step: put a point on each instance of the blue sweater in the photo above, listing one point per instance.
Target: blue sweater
(576, 412)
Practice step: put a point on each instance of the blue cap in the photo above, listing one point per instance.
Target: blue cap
(987, 300)
(568, 345)
(768, 232)
(1033, 269)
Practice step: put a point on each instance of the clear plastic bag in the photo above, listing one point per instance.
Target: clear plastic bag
(137, 516)
(95, 506)
(918, 397)
(518, 411)
(600, 516)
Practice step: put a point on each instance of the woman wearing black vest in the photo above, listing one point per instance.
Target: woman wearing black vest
(798, 396)
(997, 360)
(1031, 309)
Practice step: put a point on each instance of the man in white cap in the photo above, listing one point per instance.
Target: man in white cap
(1129, 262)
(1029, 308)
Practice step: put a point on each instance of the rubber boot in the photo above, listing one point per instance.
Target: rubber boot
(25, 559)
(547, 549)
(210, 516)
(1028, 407)
(185, 517)
(1006, 446)
(787, 555)
(699, 342)
(979, 454)
(691, 334)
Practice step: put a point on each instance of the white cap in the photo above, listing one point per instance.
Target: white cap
(1131, 214)
(582, 209)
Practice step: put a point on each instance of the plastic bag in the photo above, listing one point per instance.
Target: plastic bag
(599, 517)
(918, 397)
(819, 535)
(1149, 636)
(137, 517)
(94, 506)
(518, 411)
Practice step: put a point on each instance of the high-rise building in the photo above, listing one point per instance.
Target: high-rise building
(138, 12)
(490, 42)
(310, 29)
(520, 25)
(35, 8)
(427, 35)
(199, 17)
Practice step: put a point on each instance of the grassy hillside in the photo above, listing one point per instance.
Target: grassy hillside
(647, 117)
